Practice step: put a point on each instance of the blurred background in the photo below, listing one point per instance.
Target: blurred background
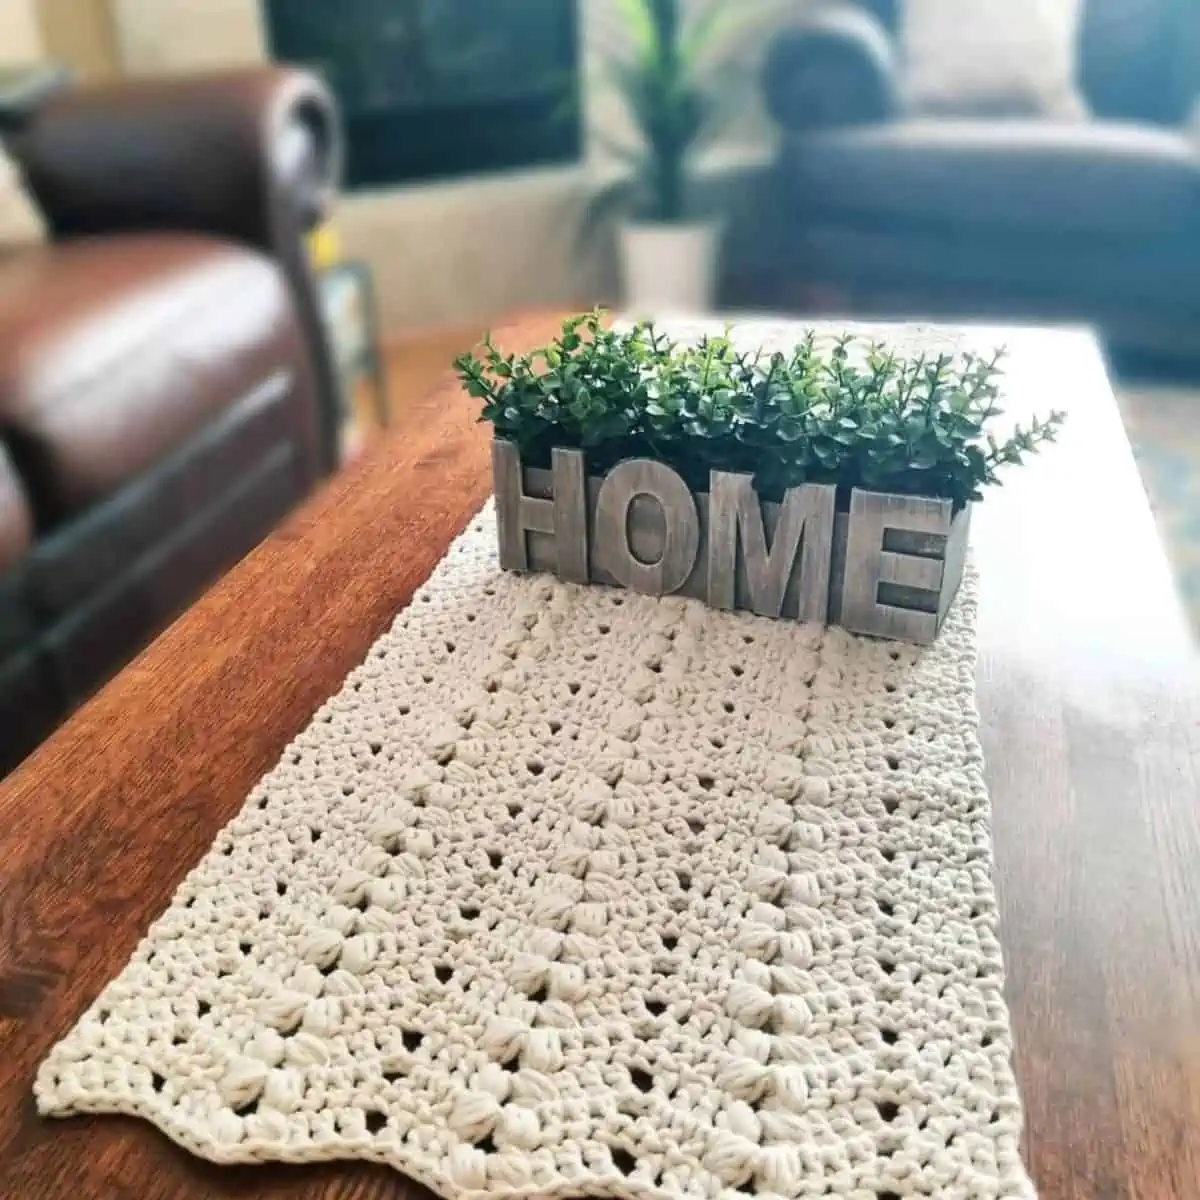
(1030, 158)
(445, 164)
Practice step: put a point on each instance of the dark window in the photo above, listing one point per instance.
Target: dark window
(436, 88)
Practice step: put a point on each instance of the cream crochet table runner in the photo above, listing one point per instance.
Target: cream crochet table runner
(574, 892)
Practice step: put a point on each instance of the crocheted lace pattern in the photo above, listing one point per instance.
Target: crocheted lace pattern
(575, 892)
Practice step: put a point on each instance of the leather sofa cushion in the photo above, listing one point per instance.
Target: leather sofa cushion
(1093, 177)
(114, 351)
(90, 552)
(16, 520)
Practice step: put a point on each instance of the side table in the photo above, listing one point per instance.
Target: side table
(352, 318)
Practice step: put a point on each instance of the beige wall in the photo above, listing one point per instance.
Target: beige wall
(20, 41)
(188, 35)
(441, 253)
(80, 34)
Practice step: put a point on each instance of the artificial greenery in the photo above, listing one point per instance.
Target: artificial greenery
(680, 80)
(854, 414)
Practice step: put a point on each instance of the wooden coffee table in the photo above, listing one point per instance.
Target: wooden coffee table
(1089, 691)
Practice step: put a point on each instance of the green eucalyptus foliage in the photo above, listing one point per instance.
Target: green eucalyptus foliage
(856, 415)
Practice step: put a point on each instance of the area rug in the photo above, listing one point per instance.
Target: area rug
(571, 892)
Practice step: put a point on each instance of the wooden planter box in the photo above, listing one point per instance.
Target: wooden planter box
(888, 567)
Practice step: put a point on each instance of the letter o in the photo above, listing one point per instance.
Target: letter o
(623, 484)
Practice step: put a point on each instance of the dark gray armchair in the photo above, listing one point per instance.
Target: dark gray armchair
(1094, 220)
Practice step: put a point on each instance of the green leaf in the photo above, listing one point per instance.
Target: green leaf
(901, 425)
(640, 20)
(715, 26)
(606, 204)
(628, 156)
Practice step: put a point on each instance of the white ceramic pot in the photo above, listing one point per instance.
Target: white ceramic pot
(669, 268)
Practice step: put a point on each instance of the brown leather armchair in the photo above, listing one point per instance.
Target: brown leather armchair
(166, 389)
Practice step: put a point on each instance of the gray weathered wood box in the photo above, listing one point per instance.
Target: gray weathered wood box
(889, 567)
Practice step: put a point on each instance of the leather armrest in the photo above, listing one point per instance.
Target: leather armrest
(251, 155)
(836, 68)
(16, 517)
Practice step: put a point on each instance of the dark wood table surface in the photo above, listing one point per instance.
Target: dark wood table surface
(1089, 694)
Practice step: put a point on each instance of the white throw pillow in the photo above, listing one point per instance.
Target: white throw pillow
(20, 221)
(1005, 57)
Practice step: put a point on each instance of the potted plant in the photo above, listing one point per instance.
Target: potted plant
(677, 81)
(831, 482)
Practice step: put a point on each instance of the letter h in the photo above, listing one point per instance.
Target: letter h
(564, 516)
